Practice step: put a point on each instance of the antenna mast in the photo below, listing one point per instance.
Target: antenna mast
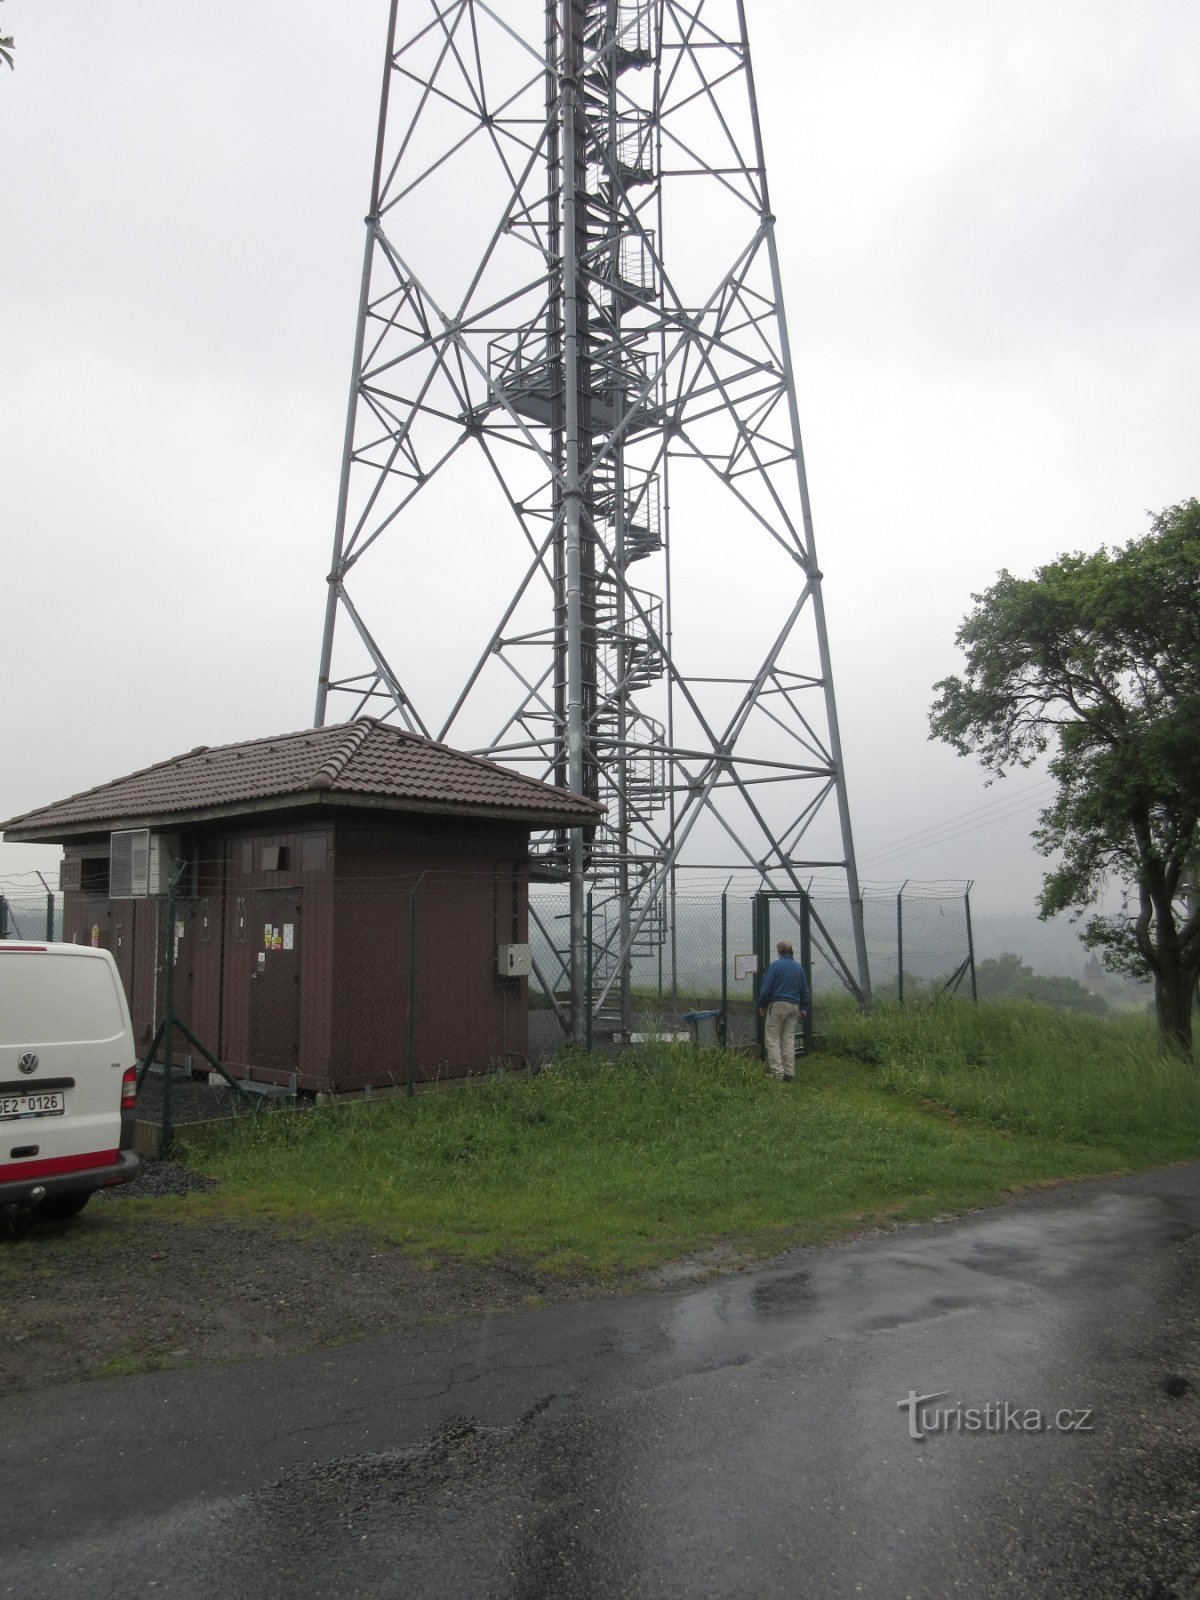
(573, 523)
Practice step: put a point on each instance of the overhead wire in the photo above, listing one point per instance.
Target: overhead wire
(958, 826)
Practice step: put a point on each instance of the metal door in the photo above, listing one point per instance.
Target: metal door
(275, 980)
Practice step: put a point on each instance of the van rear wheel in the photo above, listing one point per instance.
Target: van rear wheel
(58, 1207)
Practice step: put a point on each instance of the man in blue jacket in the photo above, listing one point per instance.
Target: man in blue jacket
(783, 1000)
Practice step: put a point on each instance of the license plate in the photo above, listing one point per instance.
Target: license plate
(15, 1106)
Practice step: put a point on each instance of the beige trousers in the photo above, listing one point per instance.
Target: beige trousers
(780, 1033)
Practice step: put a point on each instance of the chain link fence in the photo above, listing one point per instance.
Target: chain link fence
(31, 916)
(694, 976)
(397, 981)
(375, 981)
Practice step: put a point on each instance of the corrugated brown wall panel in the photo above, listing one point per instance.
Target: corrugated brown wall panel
(206, 929)
(316, 984)
(142, 918)
(183, 941)
(245, 876)
(353, 946)
(236, 936)
(128, 928)
(94, 922)
(72, 920)
(466, 1016)
(367, 1011)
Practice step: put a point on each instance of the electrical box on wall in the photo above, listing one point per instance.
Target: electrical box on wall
(513, 960)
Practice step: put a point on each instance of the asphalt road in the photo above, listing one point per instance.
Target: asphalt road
(751, 1437)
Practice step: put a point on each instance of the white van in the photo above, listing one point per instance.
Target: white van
(68, 1077)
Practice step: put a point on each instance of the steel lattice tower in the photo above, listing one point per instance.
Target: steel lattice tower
(573, 528)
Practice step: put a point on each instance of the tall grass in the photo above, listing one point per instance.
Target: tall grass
(1032, 1069)
(595, 1164)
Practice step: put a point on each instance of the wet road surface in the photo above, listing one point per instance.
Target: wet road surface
(752, 1437)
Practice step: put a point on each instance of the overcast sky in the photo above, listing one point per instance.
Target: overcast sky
(991, 251)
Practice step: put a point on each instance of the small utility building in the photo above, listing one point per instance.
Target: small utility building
(307, 861)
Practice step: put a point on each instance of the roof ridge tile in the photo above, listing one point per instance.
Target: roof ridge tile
(328, 773)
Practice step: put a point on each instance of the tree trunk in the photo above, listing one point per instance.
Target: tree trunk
(1174, 992)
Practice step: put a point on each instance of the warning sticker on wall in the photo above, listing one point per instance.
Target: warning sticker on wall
(267, 937)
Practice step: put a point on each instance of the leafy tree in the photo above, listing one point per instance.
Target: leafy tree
(1005, 977)
(1068, 994)
(1096, 660)
(6, 48)
(999, 975)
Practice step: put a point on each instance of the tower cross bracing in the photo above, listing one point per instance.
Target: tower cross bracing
(573, 529)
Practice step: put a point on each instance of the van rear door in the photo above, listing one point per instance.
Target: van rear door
(65, 1042)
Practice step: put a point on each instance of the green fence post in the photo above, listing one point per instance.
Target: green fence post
(900, 940)
(49, 910)
(724, 1028)
(806, 963)
(971, 941)
(674, 952)
(3, 917)
(587, 998)
(168, 1043)
(760, 934)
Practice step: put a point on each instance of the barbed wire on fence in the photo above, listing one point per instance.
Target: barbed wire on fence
(410, 947)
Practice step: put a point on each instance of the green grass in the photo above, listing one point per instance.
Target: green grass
(1036, 1071)
(594, 1166)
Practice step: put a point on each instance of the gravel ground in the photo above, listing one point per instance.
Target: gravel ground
(156, 1178)
(195, 1100)
(131, 1285)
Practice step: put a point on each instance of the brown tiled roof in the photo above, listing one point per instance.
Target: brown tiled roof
(363, 763)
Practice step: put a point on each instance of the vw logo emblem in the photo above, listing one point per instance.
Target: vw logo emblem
(27, 1063)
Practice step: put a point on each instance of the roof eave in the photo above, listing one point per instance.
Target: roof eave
(307, 800)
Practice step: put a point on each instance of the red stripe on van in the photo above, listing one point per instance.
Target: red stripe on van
(12, 949)
(54, 1165)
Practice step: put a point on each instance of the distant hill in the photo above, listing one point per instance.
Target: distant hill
(1052, 949)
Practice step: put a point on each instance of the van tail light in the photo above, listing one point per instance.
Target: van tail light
(129, 1089)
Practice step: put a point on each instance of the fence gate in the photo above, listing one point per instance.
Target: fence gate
(782, 914)
(275, 980)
